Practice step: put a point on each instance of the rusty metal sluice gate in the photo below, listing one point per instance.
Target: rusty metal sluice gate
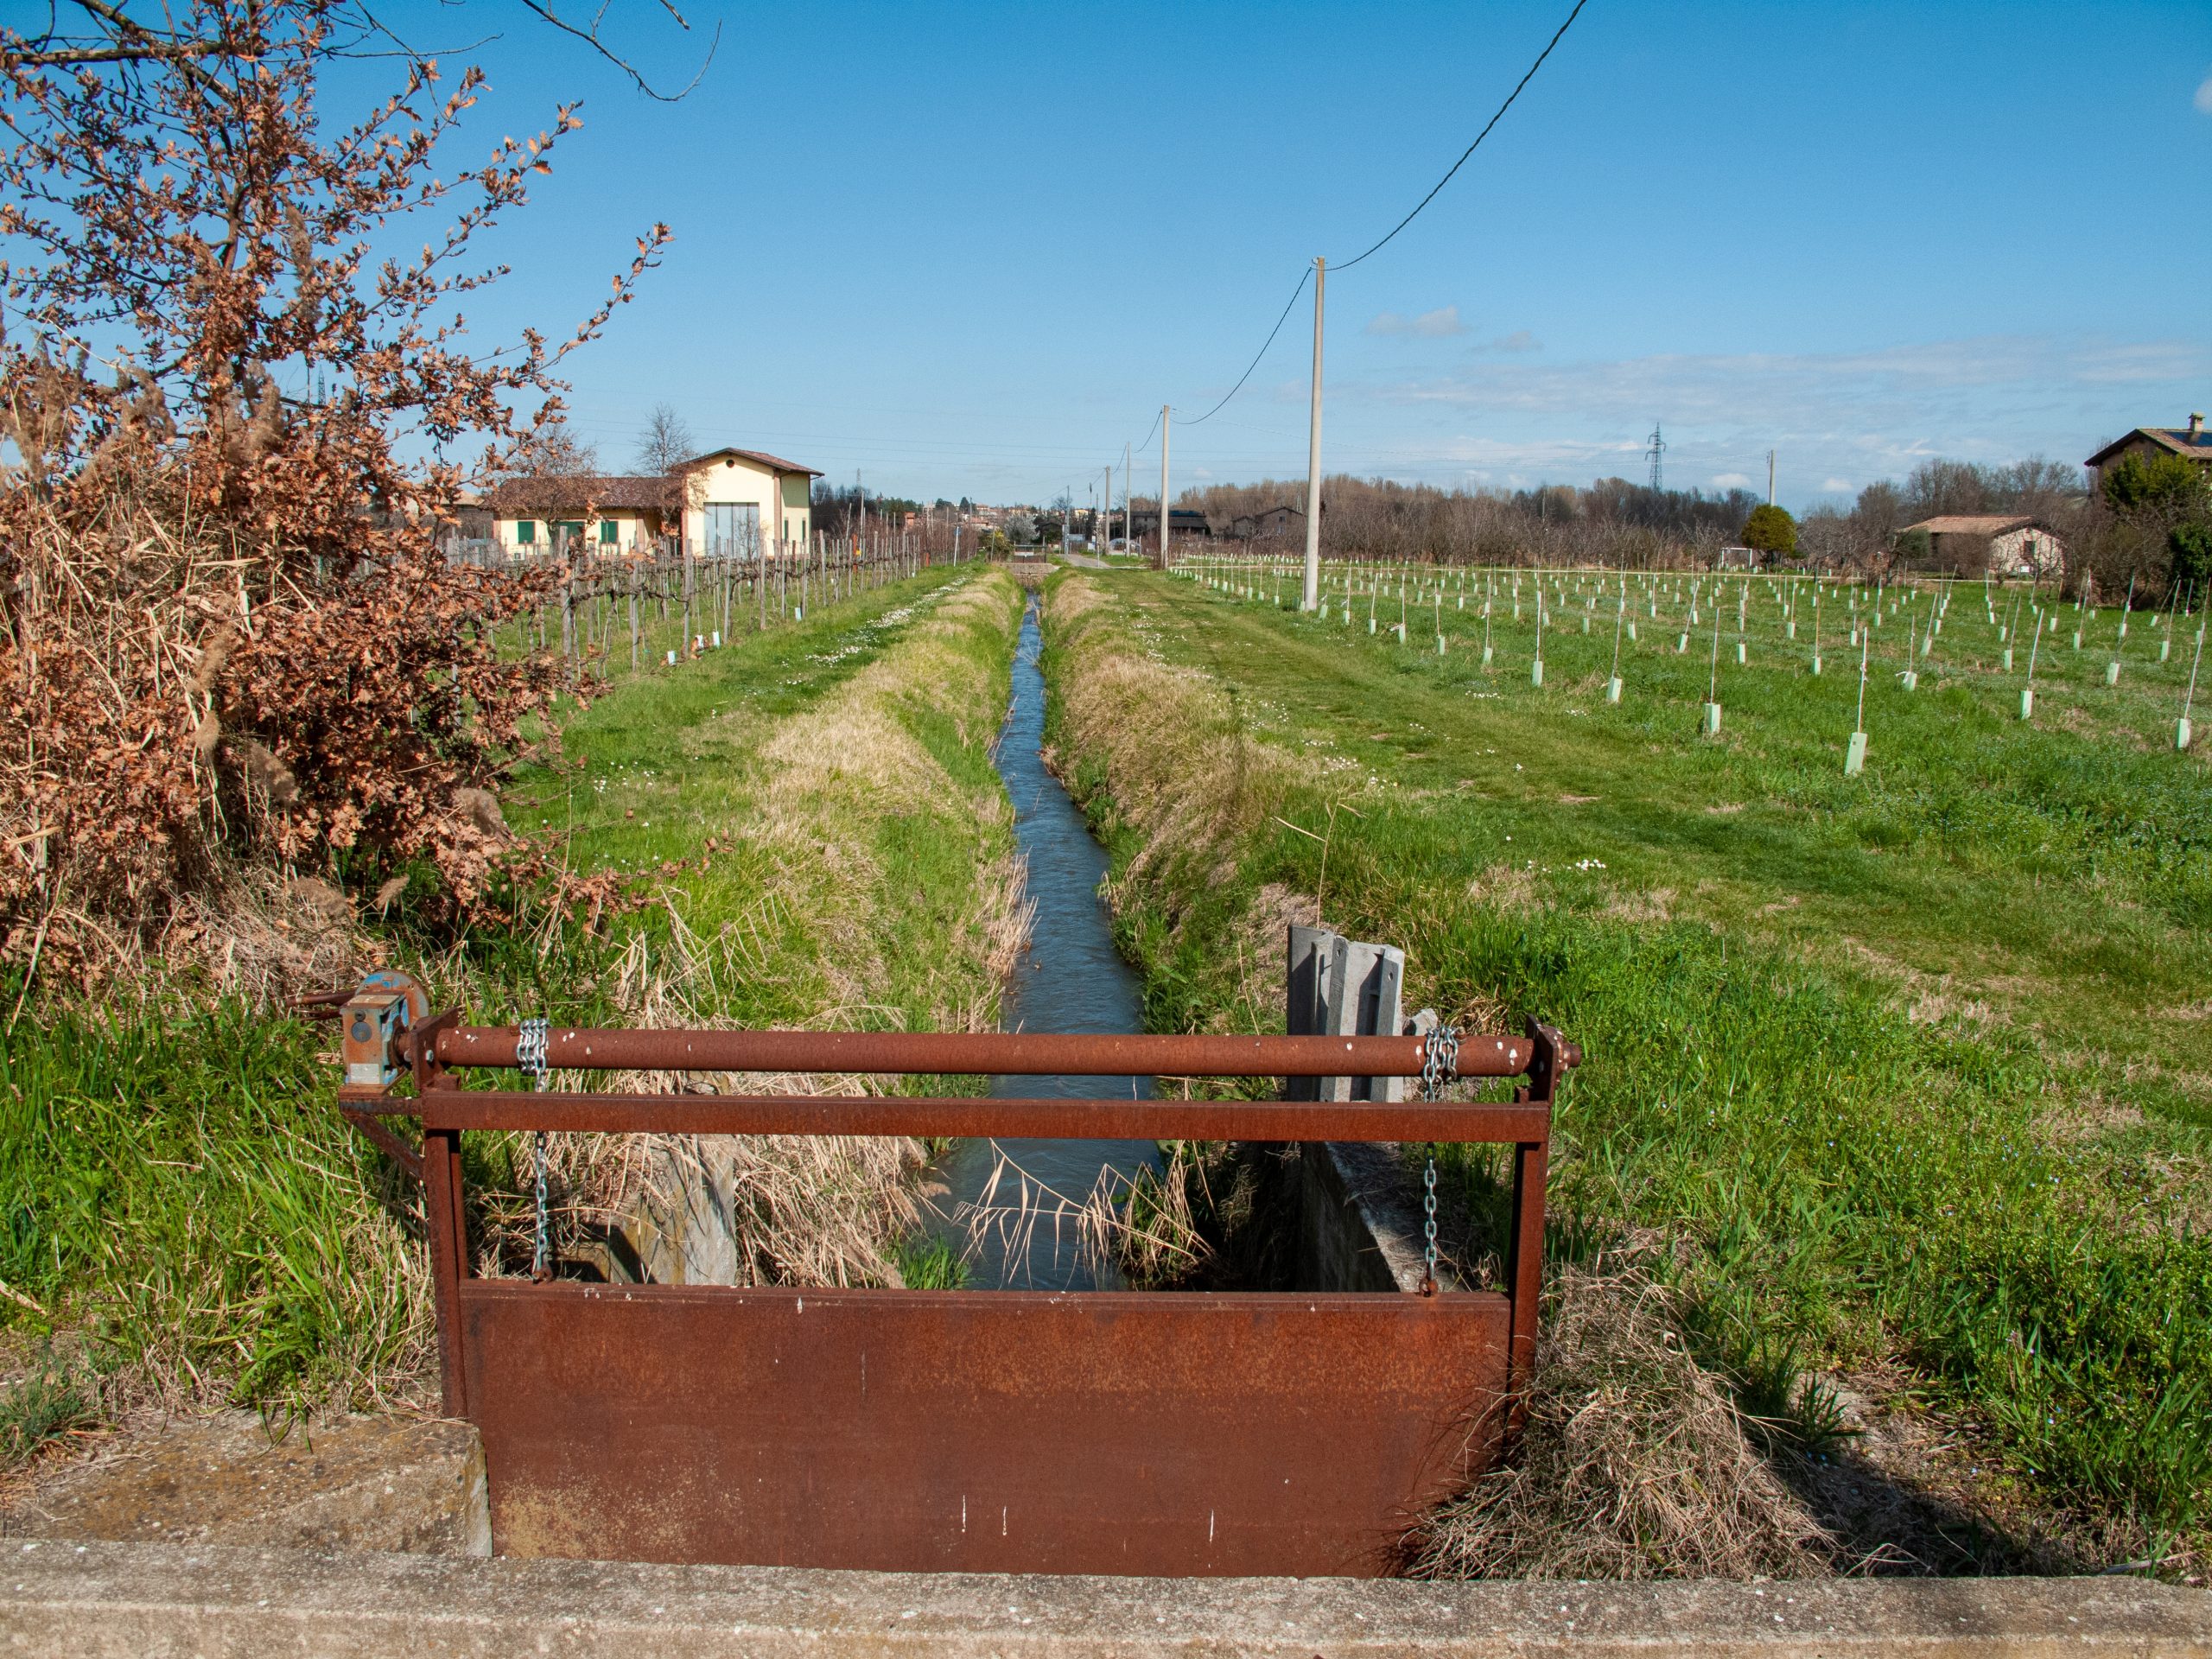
(1119, 1431)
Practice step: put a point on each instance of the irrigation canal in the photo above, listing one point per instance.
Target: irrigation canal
(1010, 1206)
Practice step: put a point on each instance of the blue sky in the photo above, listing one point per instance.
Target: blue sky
(972, 249)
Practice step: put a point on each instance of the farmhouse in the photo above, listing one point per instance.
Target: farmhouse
(723, 503)
(607, 514)
(2191, 443)
(1969, 544)
(1186, 522)
(736, 497)
(1273, 524)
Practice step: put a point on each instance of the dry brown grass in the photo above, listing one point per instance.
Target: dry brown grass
(835, 771)
(1632, 1464)
(1157, 726)
(810, 1210)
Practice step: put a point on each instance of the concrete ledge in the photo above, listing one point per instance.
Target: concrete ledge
(414, 1485)
(1359, 1226)
(154, 1599)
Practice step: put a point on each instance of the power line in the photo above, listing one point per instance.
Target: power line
(1302, 277)
(1479, 137)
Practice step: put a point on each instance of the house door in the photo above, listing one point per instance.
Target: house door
(732, 530)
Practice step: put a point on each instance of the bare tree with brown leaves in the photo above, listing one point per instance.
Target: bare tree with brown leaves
(225, 632)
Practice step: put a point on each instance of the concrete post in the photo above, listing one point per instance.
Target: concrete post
(1313, 589)
(1163, 485)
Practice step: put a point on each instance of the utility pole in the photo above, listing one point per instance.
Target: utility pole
(1106, 532)
(1769, 478)
(1129, 514)
(1657, 448)
(1310, 598)
(1163, 485)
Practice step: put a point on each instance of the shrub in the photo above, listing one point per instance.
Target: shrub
(225, 634)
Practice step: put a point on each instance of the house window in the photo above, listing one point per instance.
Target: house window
(525, 531)
(732, 530)
(610, 532)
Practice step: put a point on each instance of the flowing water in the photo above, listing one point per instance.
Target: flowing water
(1071, 979)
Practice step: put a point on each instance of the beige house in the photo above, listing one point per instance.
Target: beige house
(736, 499)
(725, 503)
(590, 511)
(2003, 545)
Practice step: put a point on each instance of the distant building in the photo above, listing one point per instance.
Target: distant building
(723, 503)
(1184, 521)
(1969, 543)
(605, 514)
(739, 496)
(1273, 524)
(2191, 443)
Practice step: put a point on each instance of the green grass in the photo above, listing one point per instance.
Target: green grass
(181, 1187)
(174, 1183)
(658, 767)
(45, 1403)
(1907, 1064)
(926, 1263)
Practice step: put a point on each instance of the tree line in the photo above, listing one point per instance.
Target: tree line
(2148, 519)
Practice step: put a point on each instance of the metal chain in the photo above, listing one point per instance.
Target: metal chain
(532, 1042)
(1428, 1205)
(1440, 1063)
(1440, 1066)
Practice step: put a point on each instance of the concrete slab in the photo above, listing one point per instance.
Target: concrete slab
(359, 1483)
(101, 1599)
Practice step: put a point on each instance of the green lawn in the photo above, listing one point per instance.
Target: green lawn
(1912, 1069)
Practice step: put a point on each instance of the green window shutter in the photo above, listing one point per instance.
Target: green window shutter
(526, 530)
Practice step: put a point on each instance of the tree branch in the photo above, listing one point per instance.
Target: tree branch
(589, 36)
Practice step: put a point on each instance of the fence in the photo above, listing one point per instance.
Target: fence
(670, 599)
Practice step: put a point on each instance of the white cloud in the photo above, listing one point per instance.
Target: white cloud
(1519, 340)
(1439, 324)
(1837, 420)
(1762, 388)
(2204, 96)
(1855, 416)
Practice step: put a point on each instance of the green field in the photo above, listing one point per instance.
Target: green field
(813, 821)
(1909, 1072)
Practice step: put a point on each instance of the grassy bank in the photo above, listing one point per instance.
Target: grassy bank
(814, 817)
(1903, 1074)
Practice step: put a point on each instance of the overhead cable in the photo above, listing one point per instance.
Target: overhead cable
(1303, 278)
(1479, 137)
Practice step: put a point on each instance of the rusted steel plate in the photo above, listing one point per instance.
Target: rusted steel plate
(1019, 1432)
(984, 1053)
(976, 1115)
